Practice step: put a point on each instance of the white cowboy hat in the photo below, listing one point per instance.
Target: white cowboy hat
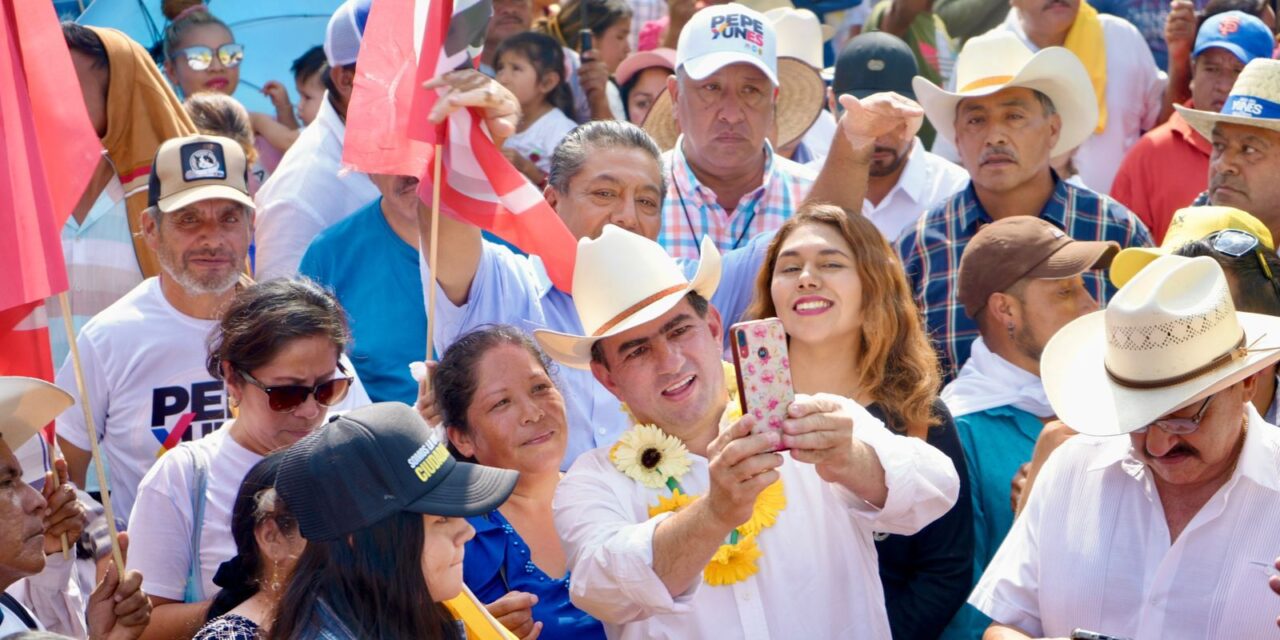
(1254, 101)
(622, 280)
(800, 34)
(1169, 337)
(26, 406)
(998, 61)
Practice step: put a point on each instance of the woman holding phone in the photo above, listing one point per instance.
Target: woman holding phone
(854, 330)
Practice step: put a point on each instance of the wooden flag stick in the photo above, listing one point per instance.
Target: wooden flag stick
(432, 244)
(92, 429)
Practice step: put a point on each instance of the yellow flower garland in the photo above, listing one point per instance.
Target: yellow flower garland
(649, 456)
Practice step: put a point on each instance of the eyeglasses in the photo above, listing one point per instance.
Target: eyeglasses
(1236, 243)
(200, 57)
(287, 397)
(1181, 426)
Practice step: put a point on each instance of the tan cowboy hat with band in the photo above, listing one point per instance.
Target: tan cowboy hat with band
(622, 280)
(705, 47)
(1254, 101)
(1169, 337)
(26, 406)
(997, 61)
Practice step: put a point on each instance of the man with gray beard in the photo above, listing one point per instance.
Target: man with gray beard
(144, 356)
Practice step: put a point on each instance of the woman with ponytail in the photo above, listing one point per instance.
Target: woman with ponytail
(267, 548)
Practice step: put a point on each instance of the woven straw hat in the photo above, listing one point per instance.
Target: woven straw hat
(1169, 337)
(26, 406)
(1254, 101)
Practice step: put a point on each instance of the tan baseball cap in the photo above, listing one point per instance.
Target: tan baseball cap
(195, 168)
(1008, 250)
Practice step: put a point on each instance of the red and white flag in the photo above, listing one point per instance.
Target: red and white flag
(405, 44)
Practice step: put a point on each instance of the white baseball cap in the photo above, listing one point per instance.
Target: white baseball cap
(345, 31)
(725, 34)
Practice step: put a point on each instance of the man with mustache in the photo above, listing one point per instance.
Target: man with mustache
(509, 18)
(1158, 522)
(1245, 134)
(1169, 166)
(144, 356)
(905, 180)
(1015, 110)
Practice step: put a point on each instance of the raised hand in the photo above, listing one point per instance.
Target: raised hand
(741, 465)
(64, 513)
(876, 115)
(470, 88)
(118, 609)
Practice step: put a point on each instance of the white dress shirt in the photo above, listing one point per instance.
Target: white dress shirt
(925, 182)
(1091, 550)
(307, 194)
(818, 576)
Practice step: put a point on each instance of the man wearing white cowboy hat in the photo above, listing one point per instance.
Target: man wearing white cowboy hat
(1168, 532)
(800, 37)
(725, 181)
(1015, 110)
(783, 541)
(29, 539)
(1245, 159)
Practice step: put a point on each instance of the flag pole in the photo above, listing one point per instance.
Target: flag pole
(92, 429)
(432, 246)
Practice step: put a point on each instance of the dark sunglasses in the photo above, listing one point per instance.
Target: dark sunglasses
(200, 57)
(287, 397)
(1236, 243)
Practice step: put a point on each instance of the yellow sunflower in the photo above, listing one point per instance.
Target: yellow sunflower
(769, 503)
(733, 563)
(649, 456)
(676, 502)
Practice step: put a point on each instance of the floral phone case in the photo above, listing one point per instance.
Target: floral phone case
(764, 371)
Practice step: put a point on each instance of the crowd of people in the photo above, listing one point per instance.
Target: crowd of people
(1026, 277)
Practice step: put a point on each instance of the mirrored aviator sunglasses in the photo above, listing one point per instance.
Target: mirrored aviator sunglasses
(200, 58)
(287, 397)
(1236, 243)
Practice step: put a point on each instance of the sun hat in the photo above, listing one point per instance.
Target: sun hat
(662, 57)
(1169, 337)
(996, 61)
(26, 406)
(1188, 225)
(195, 168)
(622, 280)
(345, 31)
(701, 51)
(872, 62)
(1244, 35)
(1008, 250)
(1254, 101)
(800, 34)
(378, 460)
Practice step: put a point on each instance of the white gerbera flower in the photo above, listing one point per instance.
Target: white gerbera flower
(649, 456)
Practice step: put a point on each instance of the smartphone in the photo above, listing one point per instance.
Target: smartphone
(1081, 634)
(584, 39)
(764, 372)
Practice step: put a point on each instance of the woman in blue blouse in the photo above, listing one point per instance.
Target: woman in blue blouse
(494, 390)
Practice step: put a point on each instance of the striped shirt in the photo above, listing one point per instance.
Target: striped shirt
(690, 210)
(931, 251)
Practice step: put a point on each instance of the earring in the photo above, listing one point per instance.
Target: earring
(1009, 327)
(275, 576)
(233, 401)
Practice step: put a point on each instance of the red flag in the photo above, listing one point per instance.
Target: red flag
(387, 129)
(48, 152)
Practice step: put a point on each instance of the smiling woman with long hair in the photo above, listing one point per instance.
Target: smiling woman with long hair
(854, 330)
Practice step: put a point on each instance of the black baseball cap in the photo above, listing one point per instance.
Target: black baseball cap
(376, 461)
(874, 62)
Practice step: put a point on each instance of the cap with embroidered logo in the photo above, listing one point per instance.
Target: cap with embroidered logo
(196, 168)
(1245, 36)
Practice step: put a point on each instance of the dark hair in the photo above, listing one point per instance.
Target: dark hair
(372, 582)
(218, 114)
(700, 306)
(265, 317)
(182, 16)
(1254, 292)
(572, 152)
(83, 39)
(546, 56)
(309, 63)
(240, 577)
(565, 25)
(455, 380)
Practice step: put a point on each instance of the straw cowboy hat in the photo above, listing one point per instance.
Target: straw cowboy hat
(26, 406)
(622, 280)
(998, 61)
(1189, 224)
(801, 94)
(1254, 101)
(1169, 337)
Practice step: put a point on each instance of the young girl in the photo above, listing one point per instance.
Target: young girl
(531, 65)
(595, 96)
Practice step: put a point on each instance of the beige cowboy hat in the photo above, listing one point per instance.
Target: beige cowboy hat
(1169, 337)
(26, 406)
(622, 280)
(1254, 101)
(996, 61)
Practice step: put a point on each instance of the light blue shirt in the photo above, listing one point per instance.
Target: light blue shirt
(515, 290)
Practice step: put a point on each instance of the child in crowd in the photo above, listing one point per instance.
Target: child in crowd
(308, 79)
(218, 114)
(531, 66)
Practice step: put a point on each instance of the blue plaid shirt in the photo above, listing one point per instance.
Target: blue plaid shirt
(932, 248)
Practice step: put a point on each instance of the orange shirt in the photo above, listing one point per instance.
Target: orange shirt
(1162, 173)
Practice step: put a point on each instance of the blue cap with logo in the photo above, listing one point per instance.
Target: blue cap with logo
(1244, 35)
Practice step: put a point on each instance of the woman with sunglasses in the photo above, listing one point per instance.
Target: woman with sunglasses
(200, 52)
(278, 349)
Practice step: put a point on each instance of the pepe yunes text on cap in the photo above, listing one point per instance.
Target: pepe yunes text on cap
(738, 26)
